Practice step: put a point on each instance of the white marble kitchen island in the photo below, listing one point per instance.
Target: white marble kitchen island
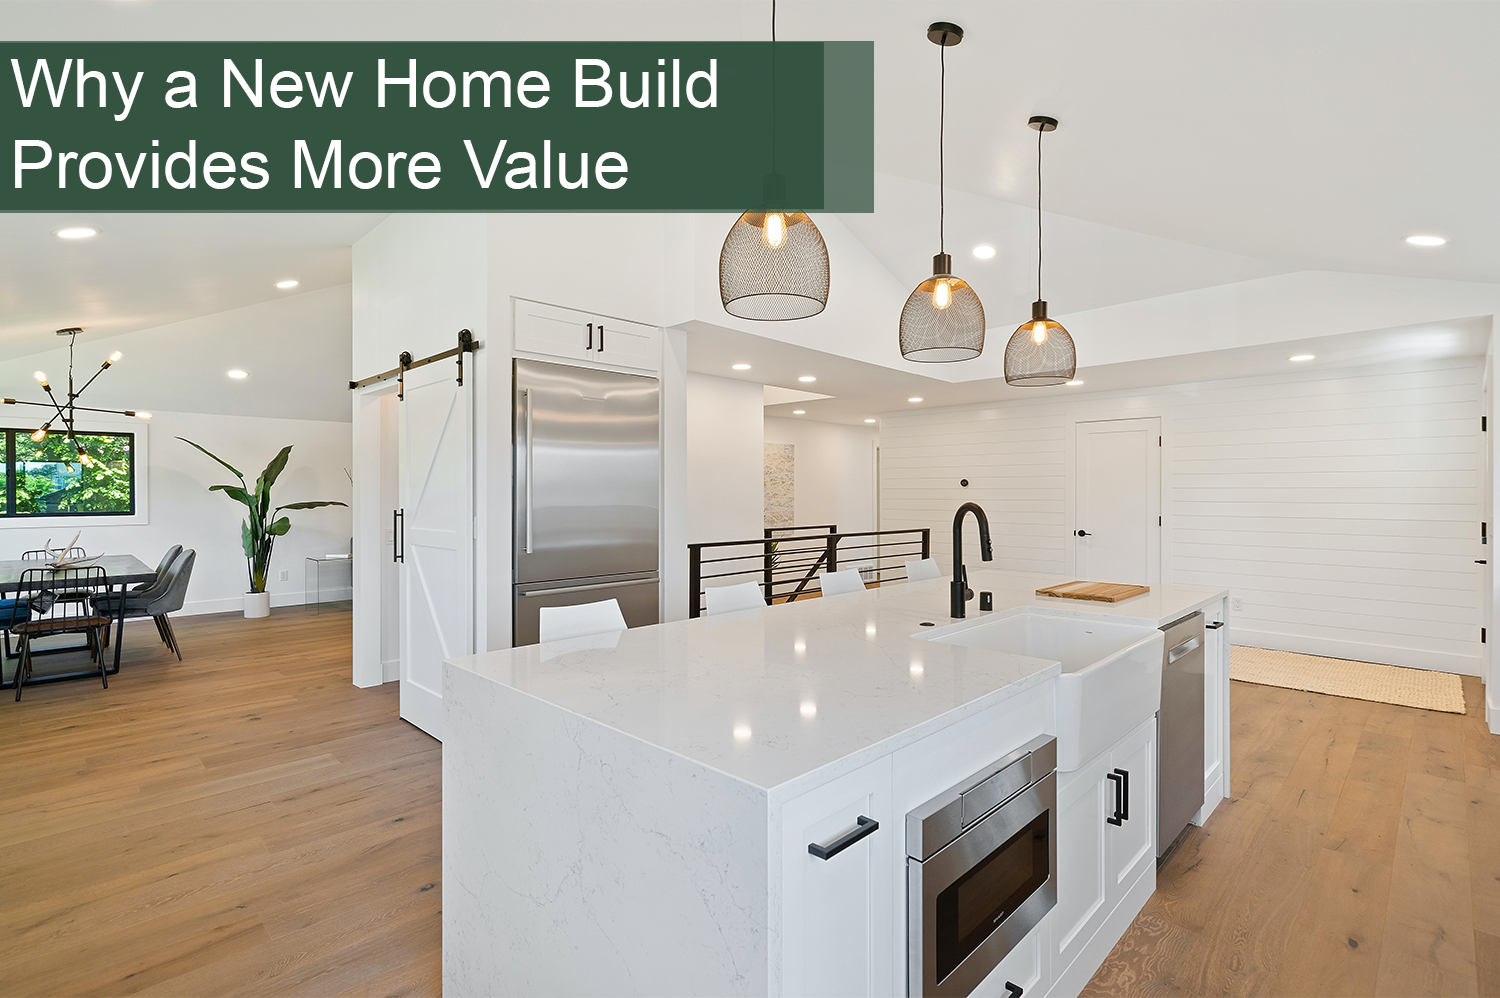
(613, 806)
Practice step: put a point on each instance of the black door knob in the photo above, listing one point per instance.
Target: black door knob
(1083, 533)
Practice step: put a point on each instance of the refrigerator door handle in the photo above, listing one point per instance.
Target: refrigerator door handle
(526, 394)
(588, 588)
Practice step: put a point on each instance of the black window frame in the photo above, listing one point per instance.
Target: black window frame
(9, 514)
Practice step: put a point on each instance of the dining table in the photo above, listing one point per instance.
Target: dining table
(121, 571)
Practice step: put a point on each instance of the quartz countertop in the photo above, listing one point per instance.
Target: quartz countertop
(771, 695)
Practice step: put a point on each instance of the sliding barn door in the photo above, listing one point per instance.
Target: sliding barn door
(435, 539)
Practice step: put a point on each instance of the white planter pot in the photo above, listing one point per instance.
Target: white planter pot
(257, 604)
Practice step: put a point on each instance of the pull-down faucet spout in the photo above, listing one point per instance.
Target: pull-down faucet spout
(960, 585)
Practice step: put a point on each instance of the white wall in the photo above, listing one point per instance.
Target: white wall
(183, 511)
(1343, 508)
(725, 459)
(835, 470)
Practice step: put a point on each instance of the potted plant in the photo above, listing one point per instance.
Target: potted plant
(259, 530)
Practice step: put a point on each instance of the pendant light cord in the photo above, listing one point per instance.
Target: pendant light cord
(773, 86)
(1039, 133)
(942, 127)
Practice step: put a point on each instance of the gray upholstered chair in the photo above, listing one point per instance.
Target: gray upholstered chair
(157, 602)
(161, 569)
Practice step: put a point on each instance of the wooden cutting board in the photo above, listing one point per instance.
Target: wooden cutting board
(1099, 592)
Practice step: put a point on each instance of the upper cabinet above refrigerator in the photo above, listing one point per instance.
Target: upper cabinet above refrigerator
(567, 334)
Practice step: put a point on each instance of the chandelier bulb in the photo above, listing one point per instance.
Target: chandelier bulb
(1039, 333)
(41, 378)
(84, 457)
(143, 415)
(40, 435)
(773, 232)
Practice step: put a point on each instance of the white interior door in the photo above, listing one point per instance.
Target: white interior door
(1117, 512)
(435, 542)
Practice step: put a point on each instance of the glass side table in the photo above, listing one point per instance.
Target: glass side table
(337, 592)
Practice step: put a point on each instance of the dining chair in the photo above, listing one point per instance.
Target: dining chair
(727, 599)
(41, 588)
(837, 583)
(559, 622)
(161, 569)
(922, 569)
(42, 554)
(164, 598)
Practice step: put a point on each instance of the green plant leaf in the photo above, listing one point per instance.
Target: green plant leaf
(237, 472)
(309, 505)
(234, 492)
(246, 539)
(280, 527)
(273, 471)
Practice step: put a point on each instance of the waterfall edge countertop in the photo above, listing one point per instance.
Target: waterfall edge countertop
(775, 695)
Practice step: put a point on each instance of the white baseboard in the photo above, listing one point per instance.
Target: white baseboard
(391, 670)
(1411, 658)
(232, 604)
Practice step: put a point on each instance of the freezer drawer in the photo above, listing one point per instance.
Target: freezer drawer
(638, 596)
(587, 473)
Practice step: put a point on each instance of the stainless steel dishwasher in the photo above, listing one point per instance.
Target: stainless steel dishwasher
(1180, 728)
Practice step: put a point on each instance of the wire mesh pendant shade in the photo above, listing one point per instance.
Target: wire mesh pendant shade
(774, 266)
(1037, 357)
(943, 320)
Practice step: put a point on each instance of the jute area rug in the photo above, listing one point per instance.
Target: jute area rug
(1344, 678)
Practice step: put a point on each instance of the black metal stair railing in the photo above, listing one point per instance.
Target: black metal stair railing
(787, 560)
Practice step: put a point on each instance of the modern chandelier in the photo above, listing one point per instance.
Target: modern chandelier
(943, 320)
(774, 264)
(1040, 351)
(66, 412)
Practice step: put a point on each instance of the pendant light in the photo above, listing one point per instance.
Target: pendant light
(1040, 352)
(943, 320)
(774, 264)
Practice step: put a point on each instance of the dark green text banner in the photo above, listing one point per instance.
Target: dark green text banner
(436, 126)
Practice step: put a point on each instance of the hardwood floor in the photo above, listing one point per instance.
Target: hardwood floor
(1359, 855)
(244, 822)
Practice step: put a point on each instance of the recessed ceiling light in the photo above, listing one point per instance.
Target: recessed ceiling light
(984, 252)
(869, 421)
(807, 377)
(915, 398)
(1075, 381)
(286, 284)
(799, 412)
(1299, 358)
(79, 232)
(808, 708)
(236, 374)
(742, 367)
(742, 732)
(1426, 240)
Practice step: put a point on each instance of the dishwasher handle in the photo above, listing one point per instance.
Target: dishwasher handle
(1189, 646)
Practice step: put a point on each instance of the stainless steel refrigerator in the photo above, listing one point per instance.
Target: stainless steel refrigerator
(587, 473)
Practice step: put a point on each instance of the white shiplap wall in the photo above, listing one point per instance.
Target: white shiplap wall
(1343, 508)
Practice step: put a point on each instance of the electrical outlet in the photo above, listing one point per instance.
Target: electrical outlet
(1235, 603)
(287, 575)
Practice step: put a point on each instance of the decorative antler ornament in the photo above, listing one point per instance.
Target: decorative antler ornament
(60, 558)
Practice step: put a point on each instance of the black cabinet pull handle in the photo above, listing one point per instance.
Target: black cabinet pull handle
(591, 336)
(398, 535)
(1013, 991)
(864, 826)
(1083, 533)
(601, 337)
(1124, 794)
(1118, 817)
(1214, 626)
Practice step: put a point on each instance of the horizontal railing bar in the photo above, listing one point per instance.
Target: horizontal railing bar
(762, 541)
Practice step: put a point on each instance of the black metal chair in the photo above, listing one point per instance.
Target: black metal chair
(42, 554)
(41, 588)
(165, 598)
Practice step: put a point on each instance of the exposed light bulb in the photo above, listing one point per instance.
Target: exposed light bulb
(115, 356)
(773, 232)
(83, 456)
(40, 435)
(143, 415)
(41, 378)
(942, 295)
(1039, 333)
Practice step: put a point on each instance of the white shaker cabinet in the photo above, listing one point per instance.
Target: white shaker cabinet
(836, 917)
(1215, 708)
(550, 331)
(1106, 853)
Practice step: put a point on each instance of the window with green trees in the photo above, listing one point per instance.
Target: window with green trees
(47, 477)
